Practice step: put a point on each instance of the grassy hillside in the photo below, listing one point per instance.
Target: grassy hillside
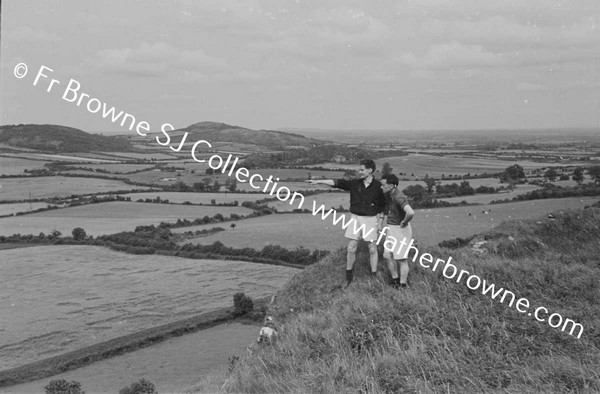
(438, 336)
(62, 139)
(212, 131)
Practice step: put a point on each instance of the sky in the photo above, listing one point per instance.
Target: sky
(329, 64)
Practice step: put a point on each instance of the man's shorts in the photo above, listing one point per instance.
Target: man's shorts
(368, 232)
(398, 249)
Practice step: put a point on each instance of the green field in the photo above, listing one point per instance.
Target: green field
(57, 186)
(147, 156)
(115, 168)
(288, 230)
(430, 226)
(9, 209)
(330, 200)
(293, 173)
(199, 198)
(109, 217)
(293, 186)
(17, 166)
(487, 198)
(61, 298)
(168, 177)
(421, 164)
(74, 158)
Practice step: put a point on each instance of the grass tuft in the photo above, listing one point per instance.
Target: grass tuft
(438, 336)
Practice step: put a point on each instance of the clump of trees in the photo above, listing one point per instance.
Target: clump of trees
(78, 234)
(62, 386)
(595, 174)
(513, 174)
(142, 386)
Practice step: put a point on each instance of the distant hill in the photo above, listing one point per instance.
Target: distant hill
(221, 132)
(62, 139)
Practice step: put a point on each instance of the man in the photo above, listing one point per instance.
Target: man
(366, 206)
(398, 214)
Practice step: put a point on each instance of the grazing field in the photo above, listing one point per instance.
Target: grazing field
(421, 164)
(487, 198)
(9, 209)
(293, 186)
(330, 200)
(495, 182)
(57, 186)
(60, 298)
(96, 155)
(567, 183)
(199, 174)
(288, 230)
(116, 168)
(148, 156)
(199, 198)
(17, 166)
(161, 177)
(293, 173)
(109, 217)
(173, 365)
(70, 158)
(430, 226)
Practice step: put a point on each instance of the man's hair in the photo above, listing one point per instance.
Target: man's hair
(391, 179)
(368, 163)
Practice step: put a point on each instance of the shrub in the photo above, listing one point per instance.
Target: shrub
(142, 386)
(242, 303)
(78, 234)
(62, 386)
(54, 234)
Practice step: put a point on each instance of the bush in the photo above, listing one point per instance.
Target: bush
(242, 303)
(62, 386)
(142, 386)
(78, 234)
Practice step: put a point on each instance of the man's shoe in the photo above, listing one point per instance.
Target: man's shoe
(403, 285)
(376, 276)
(349, 278)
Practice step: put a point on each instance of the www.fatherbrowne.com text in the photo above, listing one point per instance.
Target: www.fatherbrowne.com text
(73, 93)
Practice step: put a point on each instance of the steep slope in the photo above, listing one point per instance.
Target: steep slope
(60, 139)
(439, 335)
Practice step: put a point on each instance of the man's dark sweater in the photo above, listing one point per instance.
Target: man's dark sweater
(364, 201)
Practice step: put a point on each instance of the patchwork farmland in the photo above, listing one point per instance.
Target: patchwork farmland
(109, 217)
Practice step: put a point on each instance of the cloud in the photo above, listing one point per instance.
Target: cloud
(325, 35)
(155, 59)
(25, 34)
(345, 27)
(449, 55)
(517, 33)
(226, 16)
(530, 87)
(502, 32)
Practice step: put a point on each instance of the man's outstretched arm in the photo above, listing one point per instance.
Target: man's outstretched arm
(328, 182)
